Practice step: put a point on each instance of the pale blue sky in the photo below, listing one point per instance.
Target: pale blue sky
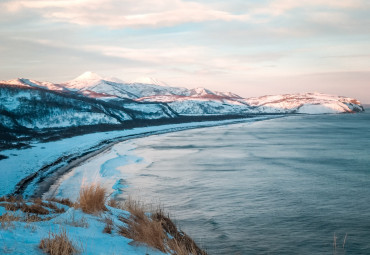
(246, 46)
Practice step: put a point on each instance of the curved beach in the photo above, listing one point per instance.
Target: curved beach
(32, 171)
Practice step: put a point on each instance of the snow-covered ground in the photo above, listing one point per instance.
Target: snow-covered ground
(25, 162)
(84, 230)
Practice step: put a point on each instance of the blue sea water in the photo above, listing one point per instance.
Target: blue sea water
(292, 185)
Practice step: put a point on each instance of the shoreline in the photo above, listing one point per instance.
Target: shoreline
(41, 181)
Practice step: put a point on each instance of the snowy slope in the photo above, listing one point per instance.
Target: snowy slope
(92, 82)
(308, 103)
(34, 108)
(32, 83)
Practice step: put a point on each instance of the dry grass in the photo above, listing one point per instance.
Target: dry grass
(154, 230)
(108, 225)
(6, 220)
(31, 209)
(58, 244)
(92, 199)
(114, 203)
(63, 201)
(13, 206)
(141, 228)
(12, 199)
(181, 243)
(34, 208)
(49, 204)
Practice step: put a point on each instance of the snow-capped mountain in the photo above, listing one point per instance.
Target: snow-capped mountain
(198, 101)
(93, 101)
(143, 89)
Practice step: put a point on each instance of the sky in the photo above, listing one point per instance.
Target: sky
(250, 47)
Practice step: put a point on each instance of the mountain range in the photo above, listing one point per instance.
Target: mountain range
(32, 109)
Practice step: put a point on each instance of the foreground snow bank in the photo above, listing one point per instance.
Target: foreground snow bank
(85, 231)
(38, 226)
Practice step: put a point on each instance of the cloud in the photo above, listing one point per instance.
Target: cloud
(127, 13)
(280, 7)
(117, 14)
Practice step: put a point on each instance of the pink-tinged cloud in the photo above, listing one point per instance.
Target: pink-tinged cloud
(279, 7)
(119, 14)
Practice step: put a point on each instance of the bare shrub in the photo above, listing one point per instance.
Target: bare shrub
(92, 199)
(58, 244)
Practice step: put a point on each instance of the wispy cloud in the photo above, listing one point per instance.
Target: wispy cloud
(128, 13)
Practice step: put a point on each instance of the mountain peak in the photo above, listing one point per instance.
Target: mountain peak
(84, 81)
(89, 76)
(149, 80)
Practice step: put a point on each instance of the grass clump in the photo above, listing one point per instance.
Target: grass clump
(58, 244)
(156, 230)
(92, 199)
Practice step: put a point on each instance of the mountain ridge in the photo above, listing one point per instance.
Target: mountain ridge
(90, 102)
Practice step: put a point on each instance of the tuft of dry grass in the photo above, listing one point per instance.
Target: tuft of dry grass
(181, 243)
(143, 230)
(58, 244)
(156, 230)
(92, 199)
(140, 227)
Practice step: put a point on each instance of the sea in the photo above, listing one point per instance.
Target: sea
(291, 185)
(297, 184)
